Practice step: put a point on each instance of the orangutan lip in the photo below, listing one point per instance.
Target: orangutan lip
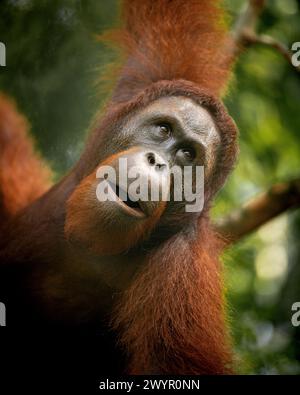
(131, 207)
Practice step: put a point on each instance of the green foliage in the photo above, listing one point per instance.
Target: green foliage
(53, 62)
(262, 271)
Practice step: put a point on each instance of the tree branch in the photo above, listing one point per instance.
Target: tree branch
(244, 32)
(261, 209)
(272, 42)
(246, 24)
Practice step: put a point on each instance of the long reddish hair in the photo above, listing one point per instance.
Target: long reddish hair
(171, 40)
(172, 319)
(23, 175)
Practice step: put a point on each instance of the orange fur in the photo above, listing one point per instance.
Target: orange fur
(23, 176)
(172, 317)
(171, 40)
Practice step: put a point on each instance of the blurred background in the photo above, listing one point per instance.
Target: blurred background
(53, 65)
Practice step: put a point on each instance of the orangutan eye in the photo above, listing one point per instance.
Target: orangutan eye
(189, 154)
(185, 155)
(165, 129)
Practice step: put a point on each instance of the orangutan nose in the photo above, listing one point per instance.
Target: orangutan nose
(151, 169)
(156, 160)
